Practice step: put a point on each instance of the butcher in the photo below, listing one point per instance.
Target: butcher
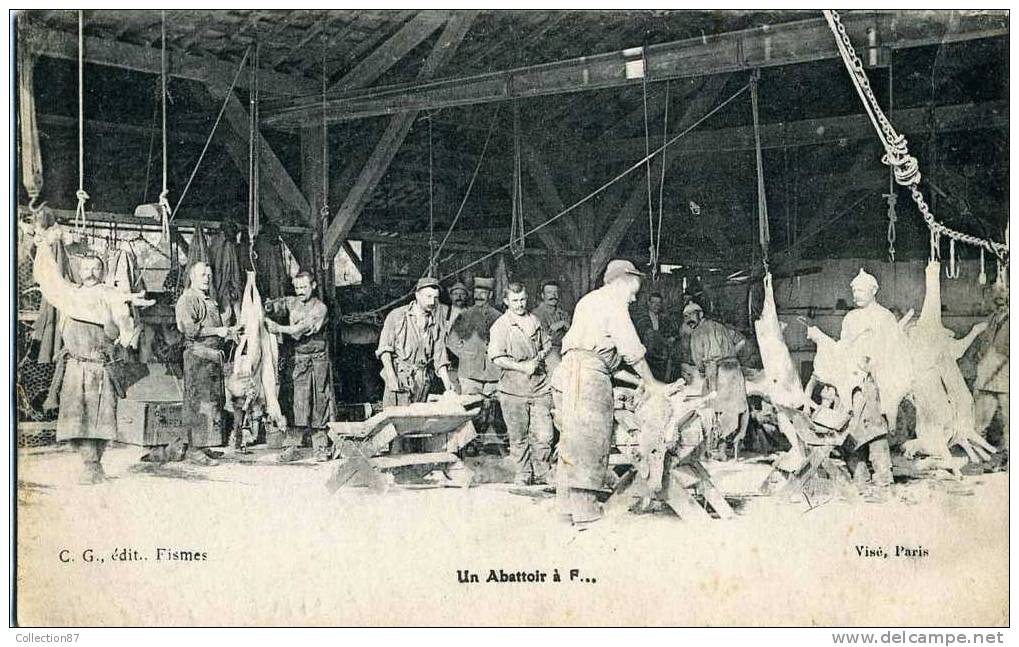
(601, 338)
(312, 377)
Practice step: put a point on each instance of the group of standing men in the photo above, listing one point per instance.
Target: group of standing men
(506, 357)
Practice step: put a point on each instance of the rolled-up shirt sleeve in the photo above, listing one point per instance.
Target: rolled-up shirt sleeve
(440, 355)
(497, 341)
(312, 321)
(189, 314)
(624, 334)
(387, 338)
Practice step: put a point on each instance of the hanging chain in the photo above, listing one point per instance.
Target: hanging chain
(904, 165)
(324, 211)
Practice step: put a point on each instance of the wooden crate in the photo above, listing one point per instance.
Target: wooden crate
(149, 423)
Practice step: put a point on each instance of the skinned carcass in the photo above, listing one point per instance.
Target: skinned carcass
(108, 306)
(256, 363)
(945, 414)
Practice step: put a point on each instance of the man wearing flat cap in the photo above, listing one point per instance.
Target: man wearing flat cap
(601, 338)
(458, 303)
(468, 340)
(412, 346)
(714, 348)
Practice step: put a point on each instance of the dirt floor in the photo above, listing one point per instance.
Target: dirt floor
(274, 547)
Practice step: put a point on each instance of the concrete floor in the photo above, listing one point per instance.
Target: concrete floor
(281, 550)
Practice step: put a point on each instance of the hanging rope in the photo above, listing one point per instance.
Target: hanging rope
(208, 140)
(470, 185)
(80, 221)
(516, 244)
(661, 181)
(904, 165)
(431, 203)
(164, 201)
(254, 157)
(653, 258)
(764, 235)
(324, 211)
(590, 196)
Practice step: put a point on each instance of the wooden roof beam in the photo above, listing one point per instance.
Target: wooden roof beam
(420, 27)
(783, 44)
(111, 53)
(392, 139)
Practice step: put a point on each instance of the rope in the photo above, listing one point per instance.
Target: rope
(470, 185)
(324, 211)
(517, 239)
(661, 182)
(431, 203)
(590, 196)
(254, 151)
(80, 221)
(208, 140)
(164, 201)
(764, 235)
(653, 260)
(904, 166)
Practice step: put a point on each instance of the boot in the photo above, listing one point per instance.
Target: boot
(196, 456)
(92, 474)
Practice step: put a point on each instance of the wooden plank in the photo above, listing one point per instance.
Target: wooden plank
(774, 45)
(111, 53)
(711, 493)
(275, 176)
(420, 27)
(392, 138)
(682, 502)
(405, 460)
(816, 132)
(635, 205)
(542, 176)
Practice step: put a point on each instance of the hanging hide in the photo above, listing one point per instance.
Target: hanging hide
(256, 363)
(31, 153)
(271, 273)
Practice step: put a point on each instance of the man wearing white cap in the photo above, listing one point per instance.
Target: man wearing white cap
(861, 367)
(714, 348)
(601, 338)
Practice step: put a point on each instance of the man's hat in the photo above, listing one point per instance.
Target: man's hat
(692, 307)
(484, 282)
(458, 286)
(426, 282)
(618, 268)
(864, 281)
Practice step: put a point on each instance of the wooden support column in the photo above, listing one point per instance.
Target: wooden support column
(392, 138)
(315, 166)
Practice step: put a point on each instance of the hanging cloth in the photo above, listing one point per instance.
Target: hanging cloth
(227, 279)
(272, 276)
(257, 356)
(46, 330)
(198, 251)
(31, 154)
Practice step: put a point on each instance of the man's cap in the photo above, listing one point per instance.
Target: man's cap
(692, 307)
(426, 282)
(457, 286)
(484, 282)
(617, 268)
(864, 280)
